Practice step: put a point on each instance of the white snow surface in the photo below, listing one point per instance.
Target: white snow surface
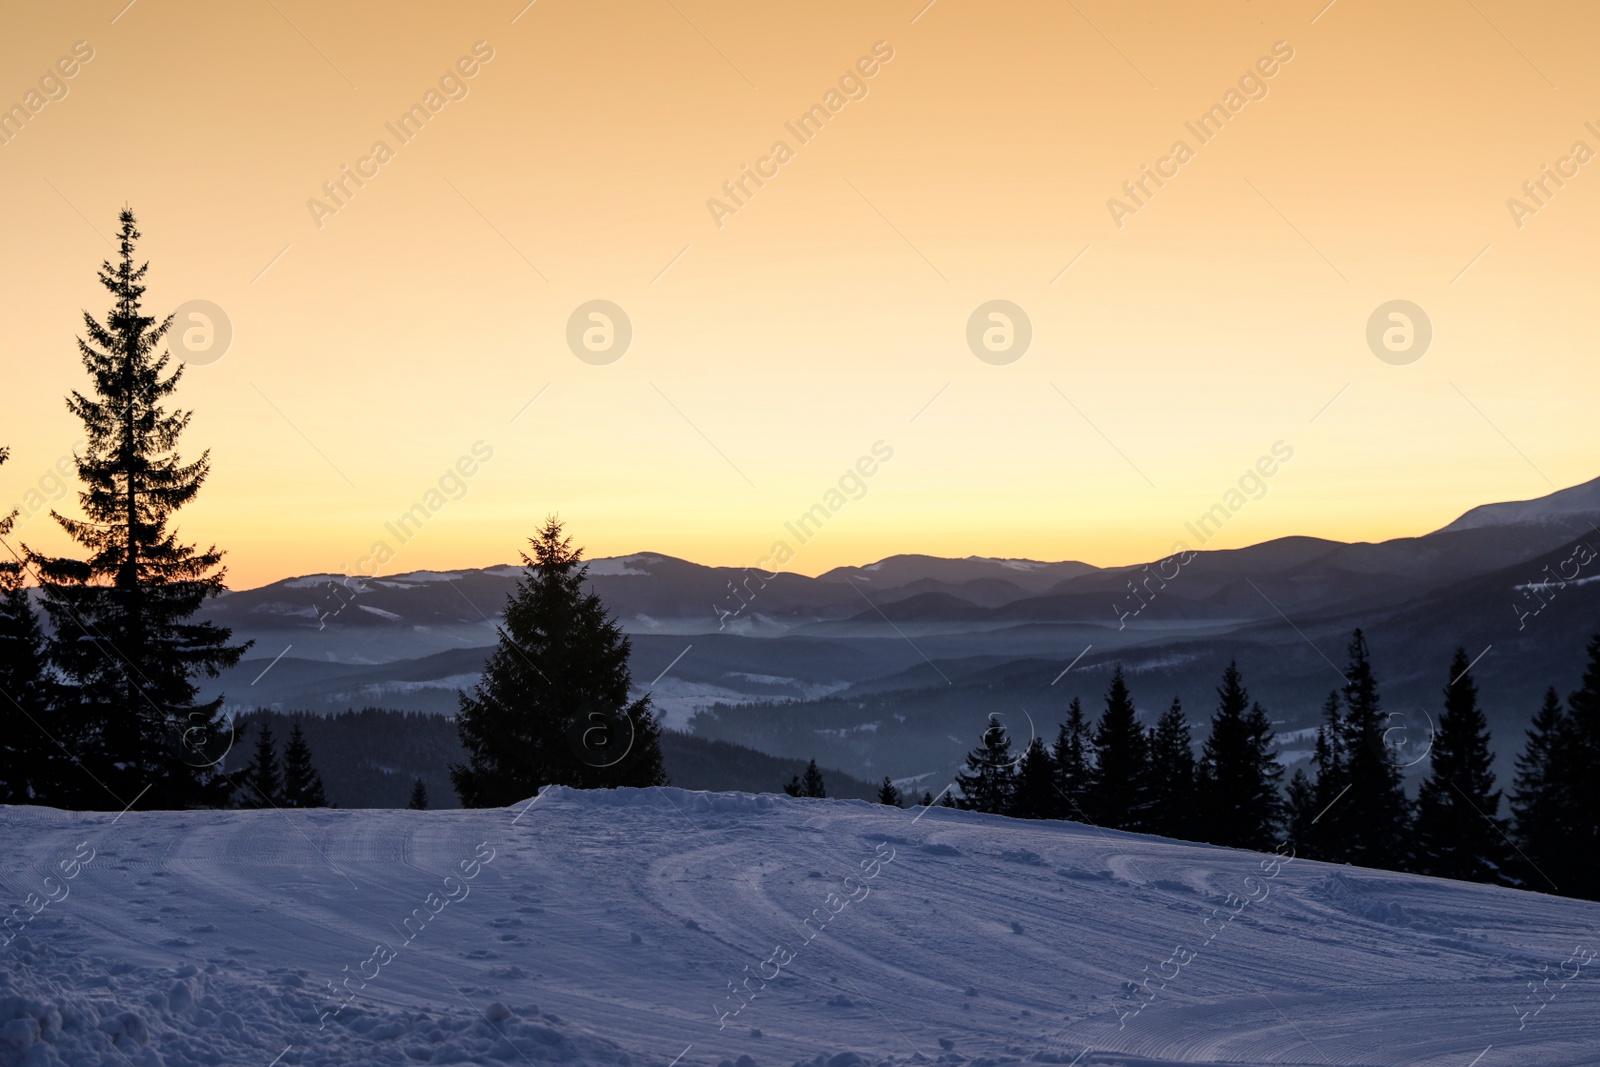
(607, 928)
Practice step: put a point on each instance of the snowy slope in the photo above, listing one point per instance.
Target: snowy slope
(606, 928)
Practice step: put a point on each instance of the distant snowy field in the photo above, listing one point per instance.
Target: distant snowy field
(613, 928)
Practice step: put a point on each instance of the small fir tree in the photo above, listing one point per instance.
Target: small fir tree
(888, 793)
(302, 785)
(553, 705)
(987, 784)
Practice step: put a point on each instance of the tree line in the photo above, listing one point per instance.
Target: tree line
(1352, 806)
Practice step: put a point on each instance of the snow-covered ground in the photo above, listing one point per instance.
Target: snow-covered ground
(657, 927)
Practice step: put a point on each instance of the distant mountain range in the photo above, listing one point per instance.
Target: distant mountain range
(892, 667)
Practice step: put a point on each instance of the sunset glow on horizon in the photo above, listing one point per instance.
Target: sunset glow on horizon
(408, 216)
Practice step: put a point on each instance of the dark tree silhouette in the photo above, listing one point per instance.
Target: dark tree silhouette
(1459, 833)
(888, 793)
(1073, 758)
(1173, 811)
(1314, 816)
(1034, 794)
(30, 763)
(1121, 791)
(302, 785)
(1374, 815)
(1239, 772)
(552, 707)
(811, 784)
(261, 783)
(1569, 808)
(1538, 799)
(419, 796)
(123, 640)
(987, 784)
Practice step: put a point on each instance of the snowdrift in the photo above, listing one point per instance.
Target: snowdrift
(644, 928)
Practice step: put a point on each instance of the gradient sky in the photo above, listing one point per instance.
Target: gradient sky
(825, 315)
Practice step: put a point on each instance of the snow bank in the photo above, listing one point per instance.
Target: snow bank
(642, 928)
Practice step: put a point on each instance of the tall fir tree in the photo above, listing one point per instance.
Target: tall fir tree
(124, 641)
(1073, 758)
(552, 707)
(1034, 795)
(302, 785)
(1239, 772)
(261, 782)
(1538, 799)
(1459, 832)
(31, 764)
(1374, 815)
(419, 796)
(1120, 792)
(1172, 776)
(988, 783)
(889, 793)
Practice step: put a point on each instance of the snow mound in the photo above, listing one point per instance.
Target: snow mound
(642, 928)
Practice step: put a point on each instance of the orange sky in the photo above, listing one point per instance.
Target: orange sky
(769, 353)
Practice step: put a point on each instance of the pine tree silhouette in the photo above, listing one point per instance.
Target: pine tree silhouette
(1173, 811)
(419, 796)
(552, 706)
(1073, 758)
(302, 785)
(123, 640)
(1239, 774)
(1459, 833)
(1539, 798)
(1314, 818)
(1035, 795)
(888, 794)
(794, 788)
(1574, 772)
(261, 784)
(1302, 808)
(927, 799)
(811, 784)
(1121, 791)
(30, 764)
(1374, 815)
(987, 785)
